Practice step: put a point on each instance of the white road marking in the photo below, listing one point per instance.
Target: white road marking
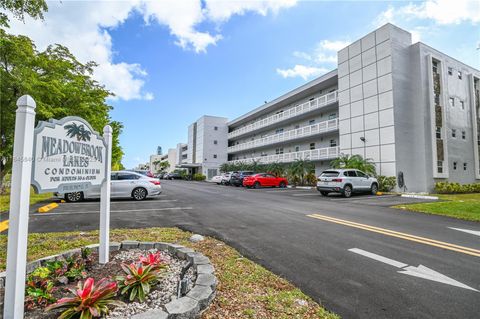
(309, 194)
(382, 259)
(469, 231)
(122, 202)
(420, 271)
(115, 211)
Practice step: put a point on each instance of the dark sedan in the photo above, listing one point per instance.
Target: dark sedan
(237, 178)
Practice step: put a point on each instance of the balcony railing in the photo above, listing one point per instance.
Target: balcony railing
(322, 127)
(312, 155)
(316, 103)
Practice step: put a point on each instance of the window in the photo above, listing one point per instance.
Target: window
(450, 71)
(278, 131)
(435, 67)
(440, 166)
(350, 173)
(215, 142)
(215, 128)
(361, 174)
(452, 101)
(123, 176)
(312, 146)
(214, 155)
(459, 75)
(333, 143)
(439, 132)
(332, 116)
(462, 104)
(464, 135)
(454, 165)
(454, 133)
(297, 126)
(464, 166)
(279, 112)
(297, 148)
(279, 150)
(311, 122)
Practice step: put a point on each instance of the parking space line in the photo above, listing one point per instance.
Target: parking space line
(123, 202)
(309, 194)
(392, 233)
(117, 211)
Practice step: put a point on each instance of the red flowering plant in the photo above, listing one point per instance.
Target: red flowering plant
(89, 301)
(155, 260)
(138, 280)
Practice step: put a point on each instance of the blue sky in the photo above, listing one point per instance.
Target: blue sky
(169, 65)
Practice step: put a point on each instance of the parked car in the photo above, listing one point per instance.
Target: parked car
(124, 184)
(236, 179)
(217, 179)
(173, 176)
(226, 178)
(145, 172)
(264, 179)
(346, 181)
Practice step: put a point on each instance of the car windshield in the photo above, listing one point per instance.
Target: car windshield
(329, 174)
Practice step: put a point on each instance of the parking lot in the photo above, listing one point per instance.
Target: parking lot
(309, 239)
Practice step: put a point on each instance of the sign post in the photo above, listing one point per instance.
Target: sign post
(103, 252)
(19, 206)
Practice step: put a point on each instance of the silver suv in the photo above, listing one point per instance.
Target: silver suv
(346, 181)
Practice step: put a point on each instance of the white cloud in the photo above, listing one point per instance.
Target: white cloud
(222, 10)
(83, 27)
(322, 59)
(305, 72)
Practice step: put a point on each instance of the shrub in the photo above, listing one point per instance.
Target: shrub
(199, 177)
(90, 300)
(138, 280)
(456, 188)
(39, 288)
(386, 183)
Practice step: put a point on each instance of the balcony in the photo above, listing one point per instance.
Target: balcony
(287, 114)
(311, 130)
(318, 154)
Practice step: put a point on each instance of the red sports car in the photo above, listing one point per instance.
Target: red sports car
(262, 179)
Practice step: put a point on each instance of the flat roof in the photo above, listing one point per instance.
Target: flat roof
(287, 97)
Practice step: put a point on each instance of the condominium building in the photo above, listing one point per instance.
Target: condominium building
(411, 109)
(181, 154)
(207, 146)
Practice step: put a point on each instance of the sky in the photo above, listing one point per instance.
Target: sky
(171, 61)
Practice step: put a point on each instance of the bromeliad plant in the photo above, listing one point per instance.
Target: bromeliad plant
(138, 280)
(90, 300)
(155, 260)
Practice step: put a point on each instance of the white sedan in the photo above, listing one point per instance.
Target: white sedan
(217, 179)
(124, 184)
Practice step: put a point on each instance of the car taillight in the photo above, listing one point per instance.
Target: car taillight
(337, 180)
(155, 182)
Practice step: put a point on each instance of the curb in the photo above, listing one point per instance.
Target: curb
(190, 305)
(47, 208)
(420, 196)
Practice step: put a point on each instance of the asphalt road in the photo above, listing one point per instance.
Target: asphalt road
(356, 256)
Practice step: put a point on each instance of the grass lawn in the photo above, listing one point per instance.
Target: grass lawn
(461, 206)
(34, 198)
(245, 289)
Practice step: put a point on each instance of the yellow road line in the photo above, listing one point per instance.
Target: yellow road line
(3, 225)
(388, 232)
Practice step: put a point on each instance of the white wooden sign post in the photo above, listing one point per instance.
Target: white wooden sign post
(19, 206)
(62, 156)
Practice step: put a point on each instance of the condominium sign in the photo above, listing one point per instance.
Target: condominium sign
(68, 156)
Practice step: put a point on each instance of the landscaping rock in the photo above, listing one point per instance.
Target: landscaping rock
(202, 294)
(151, 314)
(183, 308)
(129, 244)
(146, 245)
(161, 246)
(196, 238)
(114, 246)
(172, 248)
(205, 269)
(208, 280)
(182, 252)
(3, 275)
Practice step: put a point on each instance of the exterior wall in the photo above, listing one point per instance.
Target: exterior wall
(172, 159)
(182, 154)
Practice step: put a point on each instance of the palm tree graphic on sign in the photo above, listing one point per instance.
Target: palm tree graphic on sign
(79, 131)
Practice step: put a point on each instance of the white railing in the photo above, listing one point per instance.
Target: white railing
(312, 155)
(322, 127)
(287, 114)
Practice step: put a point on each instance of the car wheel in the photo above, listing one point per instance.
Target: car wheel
(139, 193)
(324, 193)
(374, 189)
(257, 185)
(347, 191)
(73, 197)
(282, 185)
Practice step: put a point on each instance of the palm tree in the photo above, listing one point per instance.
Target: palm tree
(276, 169)
(355, 162)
